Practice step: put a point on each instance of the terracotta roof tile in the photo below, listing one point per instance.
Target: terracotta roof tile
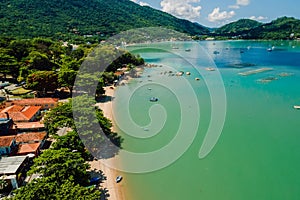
(30, 137)
(20, 113)
(5, 141)
(28, 148)
(29, 125)
(30, 111)
(35, 101)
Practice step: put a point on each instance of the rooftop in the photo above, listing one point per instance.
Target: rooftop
(29, 125)
(5, 141)
(28, 148)
(35, 101)
(20, 113)
(28, 137)
(10, 165)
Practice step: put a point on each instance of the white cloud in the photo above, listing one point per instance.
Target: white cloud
(141, 3)
(144, 4)
(234, 6)
(182, 8)
(259, 18)
(216, 15)
(240, 3)
(243, 2)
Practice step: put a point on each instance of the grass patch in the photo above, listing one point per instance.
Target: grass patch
(20, 91)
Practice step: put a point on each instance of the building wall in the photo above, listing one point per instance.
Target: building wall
(8, 150)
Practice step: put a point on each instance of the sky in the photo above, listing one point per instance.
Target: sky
(215, 13)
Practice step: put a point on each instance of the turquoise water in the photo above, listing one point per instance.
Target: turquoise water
(258, 153)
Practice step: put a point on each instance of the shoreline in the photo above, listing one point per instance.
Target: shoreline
(116, 191)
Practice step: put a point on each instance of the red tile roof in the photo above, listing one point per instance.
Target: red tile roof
(29, 125)
(14, 108)
(28, 148)
(5, 141)
(37, 101)
(30, 137)
(30, 111)
(20, 113)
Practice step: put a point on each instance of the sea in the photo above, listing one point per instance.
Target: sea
(221, 124)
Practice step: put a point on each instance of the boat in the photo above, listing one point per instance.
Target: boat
(297, 107)
(210, 69)
(119, 179)
(153, 99)
(216, 52)
(271, 49)
(188, 73)
(187, 50)
(197, 79)
(179, 73)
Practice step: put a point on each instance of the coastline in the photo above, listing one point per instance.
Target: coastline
(116, 191)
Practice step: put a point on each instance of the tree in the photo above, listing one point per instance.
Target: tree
(44, 189)
(61, 165)
(20, 48)
(42, 81)
(66, 77)
(73, 142)
(39, 61)
(8, 65)
(59, 117)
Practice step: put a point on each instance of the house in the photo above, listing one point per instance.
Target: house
(5, 125)
(45, 103)
(13, 169)
(8, 145)
(21, 127)
(30, 138)
(21, 113)
(32, 148)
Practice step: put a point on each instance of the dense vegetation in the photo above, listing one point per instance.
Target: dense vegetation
(280, 29)
(94, 19)
(46, 65)
(238, 27)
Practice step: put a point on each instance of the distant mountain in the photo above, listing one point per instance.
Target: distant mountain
(66, 18)
(237, 27)
(281, 28)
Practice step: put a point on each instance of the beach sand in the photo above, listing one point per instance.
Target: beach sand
(116, 190)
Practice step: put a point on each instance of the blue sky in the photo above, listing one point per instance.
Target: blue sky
(215, 13)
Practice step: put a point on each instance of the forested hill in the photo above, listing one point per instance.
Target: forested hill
(69, 18)
(281, 28)
(237, 27)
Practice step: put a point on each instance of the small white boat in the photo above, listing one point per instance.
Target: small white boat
(210, 69)
(119, 179)
(297, 107)
(153, 99)
(187, 50)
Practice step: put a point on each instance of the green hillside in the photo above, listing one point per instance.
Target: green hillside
(64, 19)
(237, 27)
(281, 28)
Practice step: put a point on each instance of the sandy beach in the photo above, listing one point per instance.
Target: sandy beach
(116, 190)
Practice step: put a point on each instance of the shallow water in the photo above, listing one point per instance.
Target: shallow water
(257, 154)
